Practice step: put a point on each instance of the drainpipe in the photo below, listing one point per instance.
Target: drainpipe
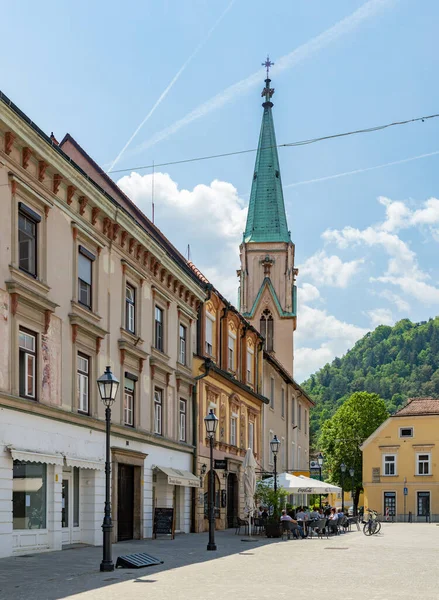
(195, 425)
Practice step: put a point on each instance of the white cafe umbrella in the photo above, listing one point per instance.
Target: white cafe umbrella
(299, 484)
(249, 465)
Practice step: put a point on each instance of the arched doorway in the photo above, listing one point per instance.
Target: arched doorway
(232, 499)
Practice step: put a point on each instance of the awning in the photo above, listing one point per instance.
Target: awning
(85, 464)
(37, 457)
(179, 477)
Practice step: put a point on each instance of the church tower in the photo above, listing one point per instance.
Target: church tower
(267, 292)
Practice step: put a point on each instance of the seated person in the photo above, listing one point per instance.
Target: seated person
(333, 520)
(294, 525)
(315, 513)
(300, 515)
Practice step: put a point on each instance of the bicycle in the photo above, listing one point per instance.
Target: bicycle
(372, 525)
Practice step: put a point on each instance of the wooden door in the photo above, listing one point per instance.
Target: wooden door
(125, 502)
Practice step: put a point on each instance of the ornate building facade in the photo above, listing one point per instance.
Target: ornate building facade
(87, 281)
(228, 369)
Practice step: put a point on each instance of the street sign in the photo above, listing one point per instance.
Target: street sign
(220, 463)
(406, 491)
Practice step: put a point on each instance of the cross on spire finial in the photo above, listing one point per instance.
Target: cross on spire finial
(267, 64)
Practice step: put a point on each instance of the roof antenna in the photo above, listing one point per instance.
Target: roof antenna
(189, 252)
(152, 191)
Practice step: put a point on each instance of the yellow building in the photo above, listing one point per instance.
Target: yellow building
(401, 463)
(228, 366)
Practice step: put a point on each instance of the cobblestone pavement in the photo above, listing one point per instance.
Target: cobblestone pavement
(401, 562)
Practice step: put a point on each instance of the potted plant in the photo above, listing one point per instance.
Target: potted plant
(273, 500)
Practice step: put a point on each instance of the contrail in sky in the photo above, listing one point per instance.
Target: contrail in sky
(346, 25)
(171, 83)
(389, 164)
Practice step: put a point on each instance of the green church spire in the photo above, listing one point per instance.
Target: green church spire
(266, 219)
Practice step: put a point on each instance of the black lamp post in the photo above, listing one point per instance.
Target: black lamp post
(108, 386)
(343, 470)
(274, 445)
(211, 423)
(320, 461)
(352, 473)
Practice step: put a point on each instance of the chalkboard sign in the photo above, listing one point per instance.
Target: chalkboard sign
(163, 522)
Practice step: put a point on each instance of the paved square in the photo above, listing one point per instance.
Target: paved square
(402, 563)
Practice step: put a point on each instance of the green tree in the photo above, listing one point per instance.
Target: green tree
(342, 435)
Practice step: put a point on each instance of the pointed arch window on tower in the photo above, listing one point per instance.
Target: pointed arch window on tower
(266, 328)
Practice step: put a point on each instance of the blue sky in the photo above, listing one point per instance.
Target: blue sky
(366, 243)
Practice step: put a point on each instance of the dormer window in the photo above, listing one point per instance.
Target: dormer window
(406, 432)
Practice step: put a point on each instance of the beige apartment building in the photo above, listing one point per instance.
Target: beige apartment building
(87, 281)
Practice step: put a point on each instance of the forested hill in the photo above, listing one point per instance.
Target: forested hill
(396, 362)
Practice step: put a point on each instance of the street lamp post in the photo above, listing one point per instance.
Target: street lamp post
(211, 423)
(352, 473)
(108, 386)
(320, 461)
(342, 469)
(274, 445)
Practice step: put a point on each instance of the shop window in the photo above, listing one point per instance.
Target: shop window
(158, 340)
(423, 464)
(27, 342)
(83, 366)
(128, 401)
(183, 344)
(130, 308)
(85, 270)
(423, 499)
(29, 495)
(158, 409)
(27, 239)
(183, 416)
(390, 504)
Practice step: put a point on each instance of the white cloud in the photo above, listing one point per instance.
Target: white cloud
(403, 269)
(308, 293)
(329, 270)
(210, 218)
(395, 299)
(217, 207)
(380, 316)
(400, 216)
(421, 291)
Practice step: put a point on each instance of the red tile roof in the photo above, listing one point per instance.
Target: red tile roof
(197, 272)
(419, 406)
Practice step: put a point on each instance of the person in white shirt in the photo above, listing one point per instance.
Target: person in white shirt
(285, 517)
